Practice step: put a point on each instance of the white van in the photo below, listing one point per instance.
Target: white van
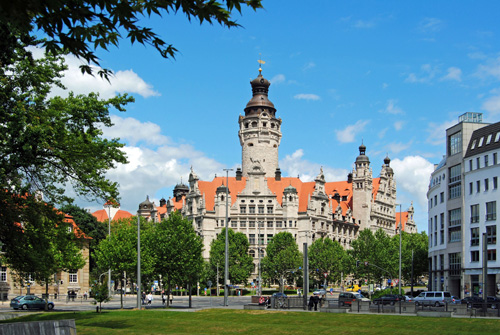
(433, 298)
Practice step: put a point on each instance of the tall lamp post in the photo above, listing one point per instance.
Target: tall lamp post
(226, 259)
(138, 291)
(400, 233)
(109, 234)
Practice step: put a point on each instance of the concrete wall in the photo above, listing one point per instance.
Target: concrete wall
(60, 327)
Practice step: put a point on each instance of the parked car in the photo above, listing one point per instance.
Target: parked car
(456, 300)
(408, 298)
(433, 298)
(279, 295)
(346, 298)
(30, 302)
(493, 302)
(473, 302)
(388, 299)
(320, 292)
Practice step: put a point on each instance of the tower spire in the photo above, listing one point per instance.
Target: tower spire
(260, 64)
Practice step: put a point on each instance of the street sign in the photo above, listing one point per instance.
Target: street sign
(389, 281)
(326, 274)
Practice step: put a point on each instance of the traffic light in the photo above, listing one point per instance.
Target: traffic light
(357, 264)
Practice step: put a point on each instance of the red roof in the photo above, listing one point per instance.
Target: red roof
(405, 219)
(102, 215)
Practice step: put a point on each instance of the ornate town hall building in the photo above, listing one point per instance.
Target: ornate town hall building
(263, 203)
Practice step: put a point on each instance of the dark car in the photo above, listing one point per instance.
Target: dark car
(30, 302)
(388, 299)
(473, 302)
(493, 302)
(279, 295)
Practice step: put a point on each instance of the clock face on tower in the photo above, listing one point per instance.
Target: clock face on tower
(262, 81)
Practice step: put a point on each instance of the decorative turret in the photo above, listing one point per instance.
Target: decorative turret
(362, 186)
(260, 130)
(180, 190)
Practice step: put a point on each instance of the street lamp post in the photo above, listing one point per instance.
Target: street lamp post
(138, 291)
(400, 233)
(226, 259)
(109, 235)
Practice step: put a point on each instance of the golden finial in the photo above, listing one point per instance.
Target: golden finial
(260, 62)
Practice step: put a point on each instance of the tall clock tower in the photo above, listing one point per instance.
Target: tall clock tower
(260, 130)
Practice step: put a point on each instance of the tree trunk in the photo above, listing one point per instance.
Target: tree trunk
(189, 288)
(121, 294)
(46, 295)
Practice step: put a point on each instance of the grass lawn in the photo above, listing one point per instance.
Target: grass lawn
(218, 321)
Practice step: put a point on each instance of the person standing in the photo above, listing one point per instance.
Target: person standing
(170, 297)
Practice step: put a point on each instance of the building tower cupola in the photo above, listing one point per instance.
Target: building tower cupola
(362, 158)
(260, 130)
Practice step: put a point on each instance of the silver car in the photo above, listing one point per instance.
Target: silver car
(433, 298)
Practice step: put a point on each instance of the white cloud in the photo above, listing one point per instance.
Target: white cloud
(334, 94)
(492, 105)
(427, 73)
(437, 132)
(134, 131)
(412, 176)
(306, 96)
(453, 73)
(153, 169)
(309, 66)
(348, 134)
(126, 81)
(490, 69)
(430, 25)
(362, 24)
(385, 85)
(398, 147)
(294, 165)
(391, 108)
(277, 79)
(398, 125)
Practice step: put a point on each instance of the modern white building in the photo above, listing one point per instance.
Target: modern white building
(481, 198)
(450, 201)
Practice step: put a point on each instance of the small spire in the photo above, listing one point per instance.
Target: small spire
(260, 62)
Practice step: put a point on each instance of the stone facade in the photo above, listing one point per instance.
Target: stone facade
(262, 203)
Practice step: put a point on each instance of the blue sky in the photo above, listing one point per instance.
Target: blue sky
(393, 74)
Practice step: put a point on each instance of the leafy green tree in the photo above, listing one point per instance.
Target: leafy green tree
(41, 244)
(240, 262)
(377, 250)
(118, 251)
(419, 244)
(46, 144)
(101, 294)
(326, 256)
(282, 260)
(79, 27)
(177, 250)
(90, 226)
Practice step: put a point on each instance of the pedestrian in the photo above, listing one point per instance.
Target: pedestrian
(170, 297)
(163, 298)
(85, 295)
(311, 303)
(73, 295)
(150, 298)
(143, 297)
(316, 300)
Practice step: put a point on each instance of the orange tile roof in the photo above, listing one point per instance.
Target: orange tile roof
(102, 215)
(405, 219)
(208, 188)
(76, 230)
(304, 190)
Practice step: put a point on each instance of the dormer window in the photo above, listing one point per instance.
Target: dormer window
(481, 140)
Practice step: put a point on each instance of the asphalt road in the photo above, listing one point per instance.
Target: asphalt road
(130, 302)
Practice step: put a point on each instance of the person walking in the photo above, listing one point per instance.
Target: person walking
(170, 297)
(150, 298)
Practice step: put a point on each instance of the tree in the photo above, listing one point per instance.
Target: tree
(90, 226)
(240, 262)
(118, 252)
(41, 244)
(282, 260)
(80, 26)
(101, 294)
(419, 244)
(326, 256)
(46, 144)
(377, 251)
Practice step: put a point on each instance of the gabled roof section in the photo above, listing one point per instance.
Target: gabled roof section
(404, 215)
(102, 215)
(208, 188)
